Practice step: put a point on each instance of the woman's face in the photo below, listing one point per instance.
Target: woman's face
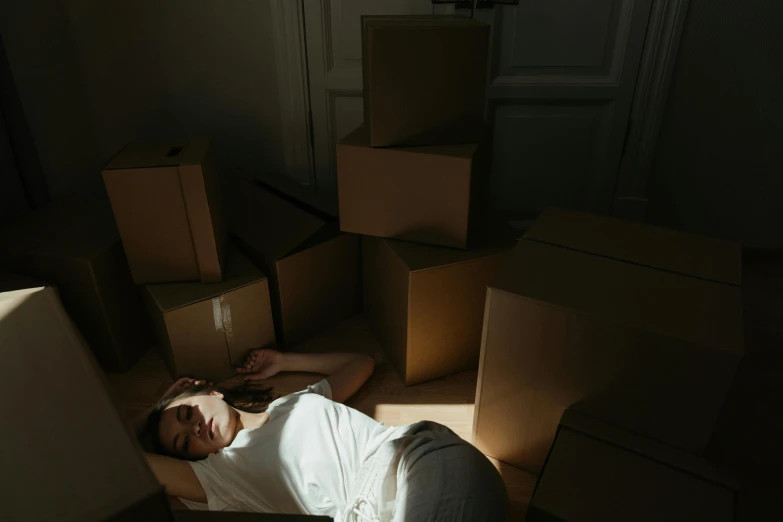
(193, 427)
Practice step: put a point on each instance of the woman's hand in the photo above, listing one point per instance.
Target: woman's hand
(262, 364)
(183, 384)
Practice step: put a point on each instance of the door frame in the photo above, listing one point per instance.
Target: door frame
(667, 19)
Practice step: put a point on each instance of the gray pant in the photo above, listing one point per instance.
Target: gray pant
(438, 476)
(456, 483)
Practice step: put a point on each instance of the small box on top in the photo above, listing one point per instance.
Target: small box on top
(166, 202)
(424, 79)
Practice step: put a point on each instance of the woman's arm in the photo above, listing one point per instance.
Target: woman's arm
(346, 372)
(177, 477)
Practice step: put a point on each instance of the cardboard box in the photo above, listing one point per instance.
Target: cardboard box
(69, 456)
(426, 304)
(636, 325)
(206, 330)
(313, 269)
(74, 245)
(597, 472)
(424, 79)
(166, 201)
(420, 194)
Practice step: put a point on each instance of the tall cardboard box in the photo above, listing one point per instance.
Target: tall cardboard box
(313, 268)
(424, 79)
(67, 454)
(632, 324)
(166, 201)
(206, 330)
(598, 472)
(426, 304)
(421, 194)
(74, 245)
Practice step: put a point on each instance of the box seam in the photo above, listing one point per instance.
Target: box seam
(603, 256)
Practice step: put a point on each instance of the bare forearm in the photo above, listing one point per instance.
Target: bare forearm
(346, 372)
(323, 363)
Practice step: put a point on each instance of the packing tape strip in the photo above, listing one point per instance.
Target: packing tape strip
(217, 314)
(221, 313)
(228, 328)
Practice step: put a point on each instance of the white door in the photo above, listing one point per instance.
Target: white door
(561, 81)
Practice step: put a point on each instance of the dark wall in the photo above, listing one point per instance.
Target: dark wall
(93, 75)
(719, 163)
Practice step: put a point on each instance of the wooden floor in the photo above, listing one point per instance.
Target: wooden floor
(747, 439)
(448, 401)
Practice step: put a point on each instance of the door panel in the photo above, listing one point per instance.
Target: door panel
(560, 87)
(539, 30)
(560, 83)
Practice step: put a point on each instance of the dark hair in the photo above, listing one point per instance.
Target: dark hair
(244, 397)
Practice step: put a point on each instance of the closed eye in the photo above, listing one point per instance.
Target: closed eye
(190, 412)
(185, 444)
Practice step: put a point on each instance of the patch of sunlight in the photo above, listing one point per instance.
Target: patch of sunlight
(458, 417)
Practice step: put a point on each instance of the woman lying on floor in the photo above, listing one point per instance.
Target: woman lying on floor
(308, 453)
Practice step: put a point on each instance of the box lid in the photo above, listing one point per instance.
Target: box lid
(360, 138)
(160, 154)
(597, 472)
(651, 300)
(680, 252)
(240, 271)
(267, 223)
(52, 481)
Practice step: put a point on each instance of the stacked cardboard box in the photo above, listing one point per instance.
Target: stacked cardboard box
(635, 325)
(598, 472)
(166, 199)
(207, 330)
(423, 101)
(416, 171)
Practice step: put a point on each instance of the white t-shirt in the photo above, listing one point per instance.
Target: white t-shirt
(304, 459)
